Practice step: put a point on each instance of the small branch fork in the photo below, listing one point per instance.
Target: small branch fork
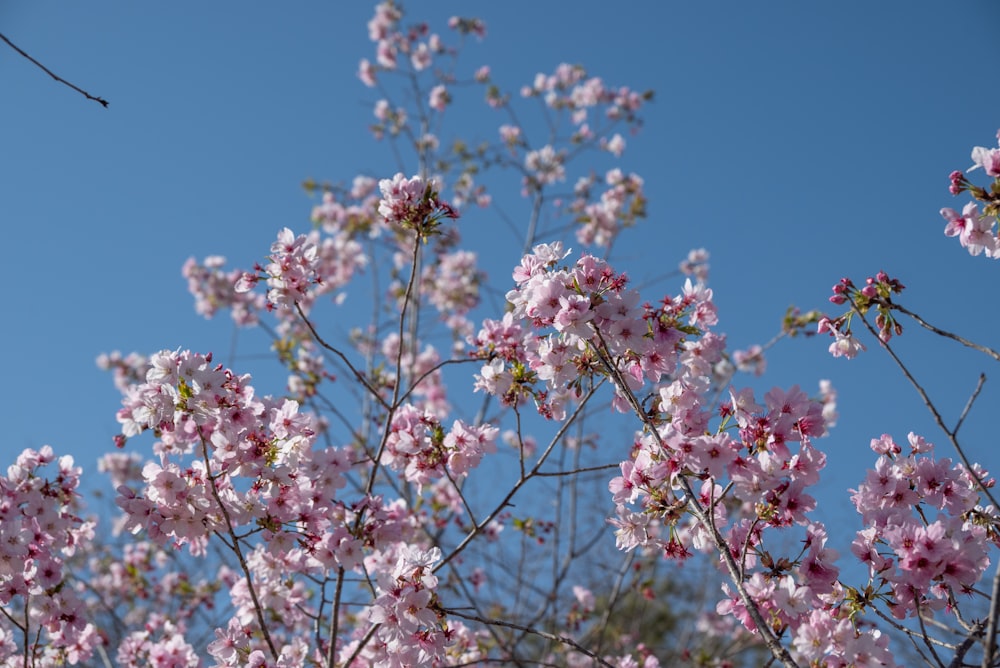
(104, 103)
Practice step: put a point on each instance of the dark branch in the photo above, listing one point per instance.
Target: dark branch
(103, 102)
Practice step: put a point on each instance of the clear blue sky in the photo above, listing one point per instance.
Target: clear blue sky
(798, 142)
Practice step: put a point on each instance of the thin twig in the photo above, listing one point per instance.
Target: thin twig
(968, 404)
(524, 478)
(948, 335)
(927, 638)
(335, 619)
(436, 367)
(989, 642)
(585, 469)
(102, 101)
(395, 403)
(542, 634)
(613, 598)
(357, 374)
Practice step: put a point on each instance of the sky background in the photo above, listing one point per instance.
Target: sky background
(797, 142)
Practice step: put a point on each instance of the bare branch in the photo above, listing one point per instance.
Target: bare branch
(990, 640)
(948, 335)
(102, 101)
(548, 636)
(972, 400)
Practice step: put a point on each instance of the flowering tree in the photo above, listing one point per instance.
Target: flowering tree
(369, 515)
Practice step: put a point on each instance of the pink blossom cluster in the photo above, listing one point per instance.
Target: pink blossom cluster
(620, 206)
(696, 264)
(412, 203)
(303, 267)
(142, 576)
(416, 44)
(352, 212)
(926, 538)
(160, 644)
(389, 119)
(439, 98)
(213, 289)
(751, 360)
(125, 370)
(230, 461)
(452, 283)
(407, 618)
(419, 446)
(545, 167)
(198, 408)
(748, 485)
(598, 328)
(766, 476)
(45, 622)
(410, 631)
(465, 190)
(569, 88)
(987, 158)
(977, 232)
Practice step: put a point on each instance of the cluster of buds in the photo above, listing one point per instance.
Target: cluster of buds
(876, 293)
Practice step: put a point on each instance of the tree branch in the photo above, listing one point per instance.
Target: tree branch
(102, 101)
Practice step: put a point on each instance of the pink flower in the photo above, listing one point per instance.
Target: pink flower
(411, 202)
(987, 158)
(421, 57)
(366, 72)
(439, 98)
(546, 165)
(615, 146)
(974, 232)
(845, 345)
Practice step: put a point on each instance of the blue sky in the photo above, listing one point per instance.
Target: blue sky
(797, 142)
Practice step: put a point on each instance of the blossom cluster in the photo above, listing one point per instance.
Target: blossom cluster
(212, 287)
(412, 203)
(418, 445)
(597, 327)
(927, 536)
(303, 267)
(619, 207)
(229, 462)
(977, 232)
(40, 530)
(407, 612)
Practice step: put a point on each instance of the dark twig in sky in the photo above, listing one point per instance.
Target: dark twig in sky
(104, 103)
